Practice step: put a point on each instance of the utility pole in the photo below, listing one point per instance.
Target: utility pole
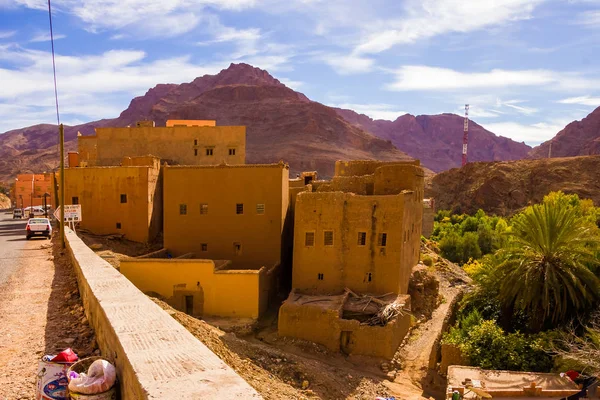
(465, 136)
(61, 130)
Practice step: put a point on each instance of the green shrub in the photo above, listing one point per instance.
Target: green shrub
(427, 261)
(486, 345)
(470, 247)
(451, 247)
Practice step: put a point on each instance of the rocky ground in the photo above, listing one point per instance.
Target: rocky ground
(505, 187)
(40, 313)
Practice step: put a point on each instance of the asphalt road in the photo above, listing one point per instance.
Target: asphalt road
(15, 250)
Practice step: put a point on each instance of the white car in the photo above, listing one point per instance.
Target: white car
(17, 213)
(38, 227)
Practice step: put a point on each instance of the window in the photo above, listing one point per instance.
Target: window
(362, 238)
(209, 151)
(123, 198)
(328, 238)
(237, 248)
(320, 276)
(260, 208)
(182, 209)
(75, 200)
(204, 246)
(195, 142)
(382, 239)
(369, 277)
(204, 208)
(232, 152)
(195, 152)
(239, 208)
(309, 239)
(118, 225)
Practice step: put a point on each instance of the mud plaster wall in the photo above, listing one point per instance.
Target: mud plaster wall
(228, 293)
(325, 326)
(221, 188)
(99, 192)
(28, 186)
(365, 167)
(347, 263)
(179, 144)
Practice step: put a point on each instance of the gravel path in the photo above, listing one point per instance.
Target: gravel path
(40, 311)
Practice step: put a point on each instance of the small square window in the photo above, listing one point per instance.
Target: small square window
(382, 239)
(328, 238)
(118, 225)
(320, 276)
(195, 152)
(75, 200)
(204, 208)
(260, 208)
(239, 208)
(204, 246)
(182, 209)
(232, 152)
(123, 198)
(362, 238)
(309, 239)
(237, 248)
(209, 151)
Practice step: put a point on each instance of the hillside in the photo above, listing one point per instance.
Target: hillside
(504, 187)
(436, 140)
(4, 202)
(281, 124)
(579, 138)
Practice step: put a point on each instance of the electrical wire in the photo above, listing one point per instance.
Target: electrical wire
(53, 63)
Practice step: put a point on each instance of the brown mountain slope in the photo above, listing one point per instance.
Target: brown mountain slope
(504, 187)
(282, 124)
(437, 139)
(579, 138)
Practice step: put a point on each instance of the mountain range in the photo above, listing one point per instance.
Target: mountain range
(283, 124)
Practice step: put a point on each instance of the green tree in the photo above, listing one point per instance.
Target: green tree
(470, 247)
(545, 266)
(451, 247)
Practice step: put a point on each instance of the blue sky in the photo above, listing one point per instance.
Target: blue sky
(527, 67)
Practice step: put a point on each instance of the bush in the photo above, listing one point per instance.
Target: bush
(451, 247)
(470, 247)
(427, 261)
(486, 345)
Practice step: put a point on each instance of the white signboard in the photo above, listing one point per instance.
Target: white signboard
(72, 213)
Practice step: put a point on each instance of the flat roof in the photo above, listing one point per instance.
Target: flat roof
(512, 383)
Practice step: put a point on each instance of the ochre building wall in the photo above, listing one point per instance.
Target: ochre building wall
(325, 325)
(328, 269)
(366, 167)
(30, 188)
(184, 145)
(221, 188)
(223, 293)
(99, 191)
(190, 122)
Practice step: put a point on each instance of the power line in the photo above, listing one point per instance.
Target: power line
(53, 62)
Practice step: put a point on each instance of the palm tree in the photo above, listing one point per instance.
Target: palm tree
(545, 270)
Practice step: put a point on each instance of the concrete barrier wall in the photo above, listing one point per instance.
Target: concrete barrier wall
(155, 357)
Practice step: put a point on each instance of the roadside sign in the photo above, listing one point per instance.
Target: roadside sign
(72, 213)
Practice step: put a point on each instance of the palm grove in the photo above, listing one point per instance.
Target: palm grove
(536, 285)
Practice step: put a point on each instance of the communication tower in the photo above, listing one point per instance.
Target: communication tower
(465, 136)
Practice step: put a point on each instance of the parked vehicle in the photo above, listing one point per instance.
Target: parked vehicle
(38, 227)
(17, 213)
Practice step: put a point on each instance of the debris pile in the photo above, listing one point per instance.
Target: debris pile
(372, 310)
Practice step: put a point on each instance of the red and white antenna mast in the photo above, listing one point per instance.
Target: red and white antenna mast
(465, 136)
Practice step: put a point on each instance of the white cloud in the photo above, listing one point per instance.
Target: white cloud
(583, 100)
(425, 78)
(7, 34)
(295, 85)
(375, 111)
(532, 134)
(45, 37)
(348, 64)
(590, 18)
(90, 87)
(428, 18)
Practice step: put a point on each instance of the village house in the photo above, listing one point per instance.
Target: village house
(356, 240)
(29, 190)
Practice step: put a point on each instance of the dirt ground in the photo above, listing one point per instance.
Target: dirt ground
(40, 313)
(284, 368)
